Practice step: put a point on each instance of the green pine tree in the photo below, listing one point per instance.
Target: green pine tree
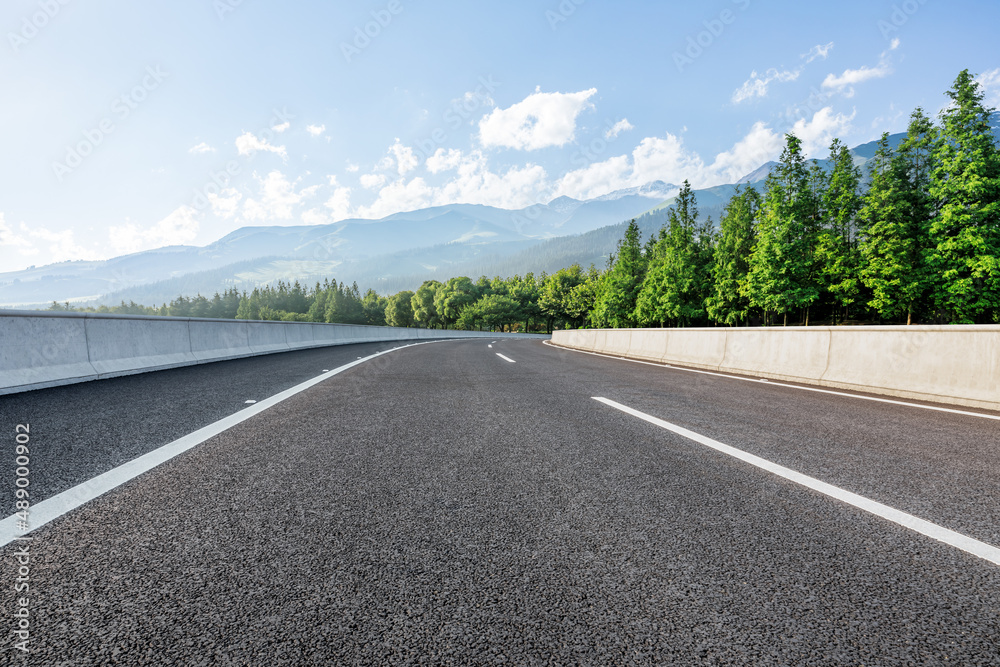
(965, 230)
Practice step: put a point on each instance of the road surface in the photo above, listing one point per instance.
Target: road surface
(471, 502)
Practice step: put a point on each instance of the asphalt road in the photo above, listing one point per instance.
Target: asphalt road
(441, 505)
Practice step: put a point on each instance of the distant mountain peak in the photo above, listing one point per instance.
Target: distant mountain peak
(652, 190)
(758, 174)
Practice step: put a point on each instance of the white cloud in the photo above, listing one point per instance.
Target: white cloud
(315, 130)
(372, 181)
(475, 183)
(621, 126)
(276, 198)
(353, 168)
(894, 44)
(201, 148)
(760, 145)
(178, 228)
(444, 160)
(818, 51)
(654, 159)
(666, 159)
(539, 121)
(340, 202)
(990, 83)
(756, 86)
(406, 160)
(472, 183)
(398, 196)
(281, 128)
(248, 144)
(226, 203)
(845, 83)
(15, 248)
(818, 132)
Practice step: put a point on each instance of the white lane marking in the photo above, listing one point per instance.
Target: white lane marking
(490, 346)
(782, 384)
(250, 402)
(62, 503)
(932, 530)
(506, 358)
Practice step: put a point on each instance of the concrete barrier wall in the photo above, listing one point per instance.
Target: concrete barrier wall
(45, 349)
(959, 365)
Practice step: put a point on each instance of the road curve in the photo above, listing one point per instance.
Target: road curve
(442, 505)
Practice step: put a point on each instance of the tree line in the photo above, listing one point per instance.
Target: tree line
(918, 240)
(920, 243)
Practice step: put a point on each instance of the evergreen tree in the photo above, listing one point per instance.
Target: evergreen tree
(674, 288)
(837, 248)
(783, 272)
(620, 285)
(737, 233)
(896, 219)
(965, 231)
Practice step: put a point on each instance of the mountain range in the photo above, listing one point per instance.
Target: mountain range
(396, 252)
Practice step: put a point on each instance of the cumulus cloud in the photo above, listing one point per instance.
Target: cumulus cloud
(473, 182)
(667, 159)
(398, 196)
(276, 198)
(405, 159)
(201, 148)
(819, 131)
(443, 160)
(179, 227)
(226, 203)
(339, 202)
(282, 127)
(539, 121)
(315, 130)
(372, 181)
(248, 144)
(621, 126)
(760, 145)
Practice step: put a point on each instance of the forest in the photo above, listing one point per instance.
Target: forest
(915, 239)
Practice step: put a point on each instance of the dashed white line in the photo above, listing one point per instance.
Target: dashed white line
(965, 543)
(490, 346)
(62, 503)
(506, 358)
(781, 384)
(250, 402)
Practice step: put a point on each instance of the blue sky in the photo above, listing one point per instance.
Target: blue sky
(129, 126)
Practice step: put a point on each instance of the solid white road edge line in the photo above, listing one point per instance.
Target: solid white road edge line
(506, 358)
(780, 384)
(932, 530)
(62, 503)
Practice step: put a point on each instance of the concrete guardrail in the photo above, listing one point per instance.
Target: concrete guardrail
(959, 365)
(41, 349)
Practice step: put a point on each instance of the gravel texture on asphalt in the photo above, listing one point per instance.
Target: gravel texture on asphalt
(85, 429)
(439, 505)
